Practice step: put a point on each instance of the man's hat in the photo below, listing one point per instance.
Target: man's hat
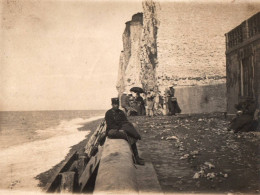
(115, 101)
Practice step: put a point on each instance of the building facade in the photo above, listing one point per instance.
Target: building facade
(243, 62)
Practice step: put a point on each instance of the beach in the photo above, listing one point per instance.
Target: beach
(190, 154)
(197, 154)
(21, 163)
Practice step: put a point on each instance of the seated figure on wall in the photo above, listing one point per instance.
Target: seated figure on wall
(118, 127)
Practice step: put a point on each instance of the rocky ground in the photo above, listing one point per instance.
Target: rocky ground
(197, 154)
(193, 154)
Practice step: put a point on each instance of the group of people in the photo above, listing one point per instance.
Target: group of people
(133, 104)
(150, 103)
(118, 126)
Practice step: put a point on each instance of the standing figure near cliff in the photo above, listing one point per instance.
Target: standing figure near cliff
(165, 106)
(143, 95)
(132, 111)
(140, 104)
(170, 95)
(125, 102)
(172, 102)
(161, 100)
(150, 103)
(156, 102)
(118, 127)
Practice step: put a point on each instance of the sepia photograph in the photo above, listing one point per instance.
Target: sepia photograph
(129, 97)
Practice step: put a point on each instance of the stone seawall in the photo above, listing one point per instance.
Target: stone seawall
(116, 173)
(202, 99)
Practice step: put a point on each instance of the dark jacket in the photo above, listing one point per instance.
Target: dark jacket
(171, 92)
(140, 99)
(115, 119)
(161, 101)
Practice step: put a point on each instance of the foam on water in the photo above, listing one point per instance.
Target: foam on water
(66, 127)
(20, 164)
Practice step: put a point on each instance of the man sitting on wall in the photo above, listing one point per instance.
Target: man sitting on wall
(118, 127)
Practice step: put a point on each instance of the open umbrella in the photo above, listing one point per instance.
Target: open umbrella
(137, 90)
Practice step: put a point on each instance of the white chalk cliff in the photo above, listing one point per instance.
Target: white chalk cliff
(181, 43)
(138, 59)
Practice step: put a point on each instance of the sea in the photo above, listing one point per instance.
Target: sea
(18, 127)
(32, 142)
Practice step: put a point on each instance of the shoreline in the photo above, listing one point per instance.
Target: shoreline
(79, 147)
(175, 172)
(29, 132)
(179, 146)
(23, 167)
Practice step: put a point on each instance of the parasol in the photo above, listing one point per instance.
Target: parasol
(137, 90)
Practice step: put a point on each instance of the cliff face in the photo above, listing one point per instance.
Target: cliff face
(138, 60)
(130, 63)
(184, 44)
(148, 53)
(191, 41)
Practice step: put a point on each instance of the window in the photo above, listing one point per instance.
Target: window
(254, 25)
(246, 77)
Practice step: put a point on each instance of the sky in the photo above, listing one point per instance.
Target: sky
(61, 54)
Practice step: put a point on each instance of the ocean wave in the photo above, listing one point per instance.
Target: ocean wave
(23, 162)
(66, 127)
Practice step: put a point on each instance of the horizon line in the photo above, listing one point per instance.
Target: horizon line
(52, 110)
